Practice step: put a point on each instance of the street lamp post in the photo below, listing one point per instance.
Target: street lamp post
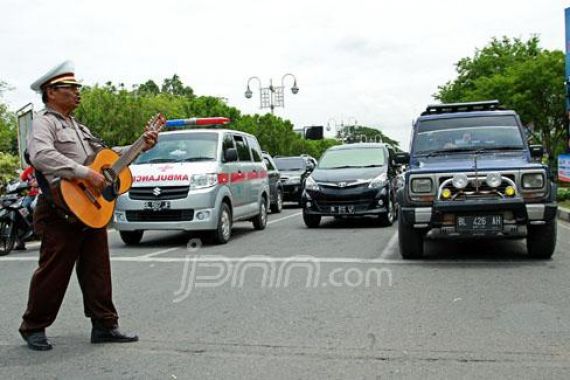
(344, 130)
(272, 96)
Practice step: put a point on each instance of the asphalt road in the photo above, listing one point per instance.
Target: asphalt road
(293, 303)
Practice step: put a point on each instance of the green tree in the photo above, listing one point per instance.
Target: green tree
(175, 86)
(149, 87)
(523, 77)
(8, 130)
(118, 115)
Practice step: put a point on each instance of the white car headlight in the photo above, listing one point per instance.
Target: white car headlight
(422, 185)
(494, 179)
(380, 181)
(310, 184)
(202, 181)
(460, 181)
(532, 181)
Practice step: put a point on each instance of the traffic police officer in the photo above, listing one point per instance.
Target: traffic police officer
(58, 146)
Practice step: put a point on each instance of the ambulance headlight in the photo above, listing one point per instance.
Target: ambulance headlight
(202, 181)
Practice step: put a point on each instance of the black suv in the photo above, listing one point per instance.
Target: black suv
(352, 180)
(293, 171)
(473, 175)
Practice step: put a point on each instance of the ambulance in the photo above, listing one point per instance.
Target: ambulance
(195, 179)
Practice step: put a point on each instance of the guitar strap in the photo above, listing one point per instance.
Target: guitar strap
(47, 191)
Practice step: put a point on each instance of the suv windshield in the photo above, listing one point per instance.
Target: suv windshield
(352, 158)
(176, 147)
(466, 134)
(293, 164)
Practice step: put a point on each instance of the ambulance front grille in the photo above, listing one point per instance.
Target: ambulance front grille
(158, 193)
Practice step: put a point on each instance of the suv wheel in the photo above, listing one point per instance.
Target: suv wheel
(387, 219)
(260, 221)
(311, 221)
(223, 232)
(541, 240)
(411, 240)
(277, 207)
(131, 237)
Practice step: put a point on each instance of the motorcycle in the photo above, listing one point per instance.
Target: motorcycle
(15, 219)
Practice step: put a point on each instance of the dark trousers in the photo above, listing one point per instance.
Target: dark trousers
(66, 244)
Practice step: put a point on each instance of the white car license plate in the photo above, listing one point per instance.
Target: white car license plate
(156, 205)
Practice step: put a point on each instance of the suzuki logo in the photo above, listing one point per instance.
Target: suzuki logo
(341, 184)
(156, 191)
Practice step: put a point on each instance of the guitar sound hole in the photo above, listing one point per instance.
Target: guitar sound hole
(111, 192)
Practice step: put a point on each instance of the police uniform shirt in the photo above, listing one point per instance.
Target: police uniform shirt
(59, 146)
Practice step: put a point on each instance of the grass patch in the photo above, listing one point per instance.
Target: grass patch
(565, 204)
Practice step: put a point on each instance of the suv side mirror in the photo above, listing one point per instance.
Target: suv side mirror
(230, 155)
(310, 166)
(536, 151)
(402, 158)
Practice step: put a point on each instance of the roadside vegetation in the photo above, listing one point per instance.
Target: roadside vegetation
(523, 77)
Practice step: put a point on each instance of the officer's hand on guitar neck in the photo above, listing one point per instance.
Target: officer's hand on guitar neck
(96, 180)
(149, 139)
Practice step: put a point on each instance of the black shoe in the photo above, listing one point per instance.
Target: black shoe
(37, 341)
(20, 247)
(101, 335)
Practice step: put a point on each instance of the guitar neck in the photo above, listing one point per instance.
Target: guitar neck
(129, 156)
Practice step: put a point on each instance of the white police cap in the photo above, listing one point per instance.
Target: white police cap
(60, 74)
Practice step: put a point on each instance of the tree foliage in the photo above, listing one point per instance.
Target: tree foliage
(523, 77)
(8, 132)
(366, 134)
(118, 115)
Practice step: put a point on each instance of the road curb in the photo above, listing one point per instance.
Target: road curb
(563, 214)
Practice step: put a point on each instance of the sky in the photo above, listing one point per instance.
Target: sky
(373, 62)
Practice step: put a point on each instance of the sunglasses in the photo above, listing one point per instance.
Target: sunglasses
(67, 86)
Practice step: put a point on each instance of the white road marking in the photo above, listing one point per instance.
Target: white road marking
(285, 217)
(159, 252)
(296, 259)
(390, 246)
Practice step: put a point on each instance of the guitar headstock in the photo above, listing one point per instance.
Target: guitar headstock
(156, 123)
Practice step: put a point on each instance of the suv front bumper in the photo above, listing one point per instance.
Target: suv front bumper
(440, 220)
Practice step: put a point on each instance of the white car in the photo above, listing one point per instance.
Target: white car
(195, 180)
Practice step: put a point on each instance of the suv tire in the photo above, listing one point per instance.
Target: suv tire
(277, 207)
(311, 221)
(411, 241)
(260, 221)
(541, 240)
(131, 237)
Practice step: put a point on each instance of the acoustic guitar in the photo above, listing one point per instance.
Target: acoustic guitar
(95, 209)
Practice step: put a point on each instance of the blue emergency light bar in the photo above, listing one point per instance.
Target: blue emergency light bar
(199, 121)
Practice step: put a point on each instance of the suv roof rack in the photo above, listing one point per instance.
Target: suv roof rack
(487, 105)
(214, 122)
